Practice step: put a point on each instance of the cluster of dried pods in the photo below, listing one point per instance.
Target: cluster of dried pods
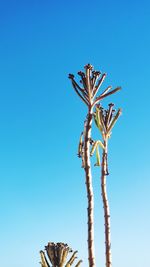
(57, 254)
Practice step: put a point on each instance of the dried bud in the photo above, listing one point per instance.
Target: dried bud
(97, 73)
(70, 76)
(111, 104)
(88, 66)
(81, 73)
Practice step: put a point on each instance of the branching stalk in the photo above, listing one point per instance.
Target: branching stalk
(105, 121)
(92, 81)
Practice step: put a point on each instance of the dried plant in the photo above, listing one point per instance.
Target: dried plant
(105, 121)
(91, 82)
(57, 254)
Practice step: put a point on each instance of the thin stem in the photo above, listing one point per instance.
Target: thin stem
(104, 95)
(83, 79)
(84, 100)
(109, 113)
(99, 84)
(88, 84)
(96, 75)
(90, 209)
(106, 90)
(104, 173)
(80, 89)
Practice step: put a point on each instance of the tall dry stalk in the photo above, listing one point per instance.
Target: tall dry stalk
(105, 120)
(90, 83)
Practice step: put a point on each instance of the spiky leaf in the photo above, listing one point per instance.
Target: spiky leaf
(97, 157)
(93, 148)
(98, 120)
(95, 145)
(80, 146)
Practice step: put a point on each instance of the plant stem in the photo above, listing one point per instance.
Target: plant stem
(104, 172)
(89, 187)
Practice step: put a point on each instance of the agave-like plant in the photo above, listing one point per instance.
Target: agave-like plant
(57, 256)
(91, 82)
(105, 120)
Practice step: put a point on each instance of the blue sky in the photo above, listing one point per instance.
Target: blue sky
(43, 195)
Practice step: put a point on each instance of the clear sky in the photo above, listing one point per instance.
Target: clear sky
(42, 186)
